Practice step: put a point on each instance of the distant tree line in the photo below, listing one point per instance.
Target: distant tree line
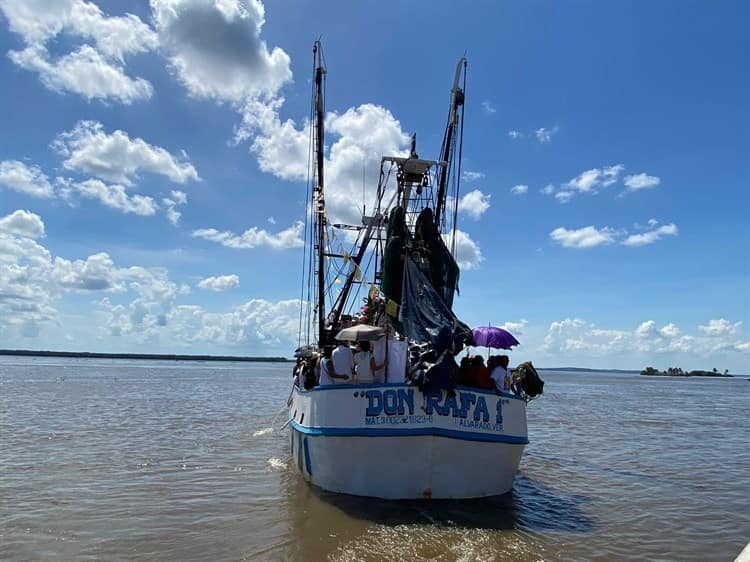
(678, 372)
(151, 356)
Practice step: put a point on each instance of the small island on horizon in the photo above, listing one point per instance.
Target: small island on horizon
(678, 372)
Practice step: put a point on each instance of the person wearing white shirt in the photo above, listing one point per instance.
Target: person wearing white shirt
(364, 363)
(501, 374)
(324, 366)
(341, 364)
(379, 349)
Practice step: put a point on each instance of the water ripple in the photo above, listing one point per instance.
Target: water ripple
(135, 460)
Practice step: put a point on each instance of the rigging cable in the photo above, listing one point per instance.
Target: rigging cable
(329, 287)
(362, 282)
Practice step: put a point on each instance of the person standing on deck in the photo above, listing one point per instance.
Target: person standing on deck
(328, 373)
(501, 374)
(365, 363)
(342, 361)
(481, 373)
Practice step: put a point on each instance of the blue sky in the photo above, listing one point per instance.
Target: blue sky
(153, 157)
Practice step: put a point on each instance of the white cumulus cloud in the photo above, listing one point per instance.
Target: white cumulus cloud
(469, 176)
(670, 331)
(255, 237)
(591, 236)
(26, 302)
(468, 255)
(113, 196)
(586, 237)
(30, 180)
(516, 328)
(96, 69)
(641, 181)
(591, 181)
(116, 157)
(280, 147)
(358, 138)
(579, 336)
(720, 327)
(645, 238)
(170, 203)
(544, 135)
(38, 21)
(520, 189)
(475, 204)
(256, 323)
(364, 134)
(595, 178)
(220, 283)
(22, 223)
(215, 48)
(84, 72)
(95, 273)
(31, 281)
(139, 303)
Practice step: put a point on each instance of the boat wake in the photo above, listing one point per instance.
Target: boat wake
(276, 463)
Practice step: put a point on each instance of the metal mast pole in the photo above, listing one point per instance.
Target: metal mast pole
(457, 100)
(318, 193)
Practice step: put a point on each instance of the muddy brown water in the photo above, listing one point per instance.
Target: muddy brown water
(160, 460)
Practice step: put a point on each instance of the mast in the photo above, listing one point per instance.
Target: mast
(449, 142)
(318, 192)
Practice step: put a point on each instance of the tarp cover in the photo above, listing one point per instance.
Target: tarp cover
(393, 269)
(425, 316)
(441, 268)
(393, 260)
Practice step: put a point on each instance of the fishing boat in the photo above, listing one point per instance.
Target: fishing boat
(412, 432)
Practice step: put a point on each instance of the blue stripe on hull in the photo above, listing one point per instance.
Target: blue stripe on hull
(391, 432)
(307, 455)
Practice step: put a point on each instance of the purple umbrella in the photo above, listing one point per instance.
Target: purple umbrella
(491, 336)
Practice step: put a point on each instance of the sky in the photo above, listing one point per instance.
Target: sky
(153, 160)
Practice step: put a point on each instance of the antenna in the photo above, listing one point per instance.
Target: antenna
(364, 163)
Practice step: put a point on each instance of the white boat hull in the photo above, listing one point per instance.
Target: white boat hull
(391, 441)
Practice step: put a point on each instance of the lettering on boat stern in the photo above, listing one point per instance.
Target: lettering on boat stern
(396, 406)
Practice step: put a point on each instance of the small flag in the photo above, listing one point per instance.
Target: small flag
(391, 308)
